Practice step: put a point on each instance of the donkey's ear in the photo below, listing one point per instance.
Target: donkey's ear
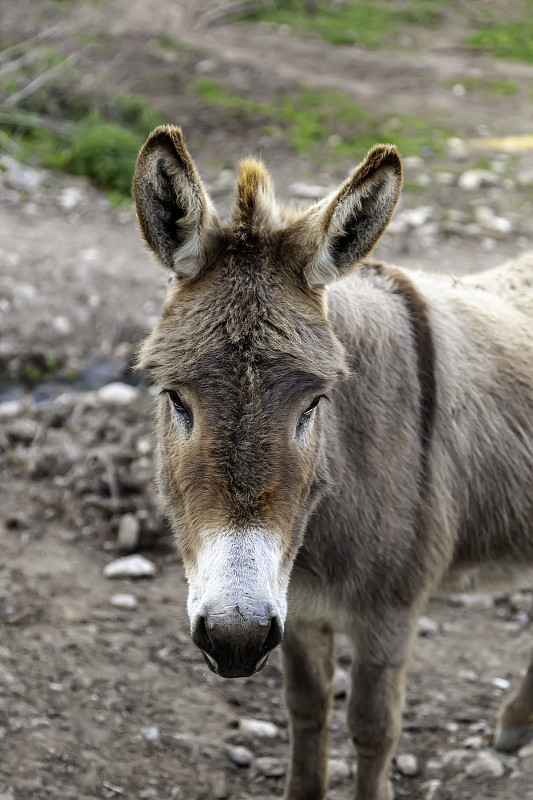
(175, 214)
(337, 232)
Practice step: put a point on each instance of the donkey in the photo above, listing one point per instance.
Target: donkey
(336, 439)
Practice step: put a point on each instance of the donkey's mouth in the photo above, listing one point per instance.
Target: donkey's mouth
(234, 670)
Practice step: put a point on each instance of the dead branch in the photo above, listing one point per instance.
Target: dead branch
(48, 33)
(34, 85)
(26, 120)
(216, 16)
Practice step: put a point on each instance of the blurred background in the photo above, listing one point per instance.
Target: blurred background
(101, 693)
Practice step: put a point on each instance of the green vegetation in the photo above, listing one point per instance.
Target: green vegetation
(60, 126)
(505, 38)
(368, 22)
(327, 124)
(492, 88)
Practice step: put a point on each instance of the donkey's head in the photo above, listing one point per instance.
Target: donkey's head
(246, 360)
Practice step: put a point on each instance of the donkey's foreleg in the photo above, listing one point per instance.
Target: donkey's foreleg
(308, 672)
(376, 701)
(515, 727)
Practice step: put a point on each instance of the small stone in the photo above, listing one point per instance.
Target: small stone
(259, 727)
(118, 394)
(526, 751)
(456, 757)
(338, 770)
(408, 765)
(432, 787)
(413, 162)
(70, 197)
(474, 742)
(150, 733)
(427, 627)
(341, 683)
(485, 765)
(62, 325)
(270, 767)
(134, 566)
(501, 683)
(10, 408)
(489, 222)
(125, 601)
(445, 178)
(129, 533)
(473, 179)
(521, 601)
(240, 755)
(307, 191)
(468, 675)
(472, 600)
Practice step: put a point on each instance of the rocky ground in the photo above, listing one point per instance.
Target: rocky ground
(102, 693)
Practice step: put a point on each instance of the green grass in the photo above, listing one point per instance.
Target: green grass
(324, 125)
(370, 22)
(508, 39)
(106, 130)
(491, 88)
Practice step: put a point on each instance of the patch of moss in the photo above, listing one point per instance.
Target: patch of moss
(369, 22)
(325, 124)
(505, 38)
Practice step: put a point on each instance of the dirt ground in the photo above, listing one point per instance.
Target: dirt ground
(102, 701)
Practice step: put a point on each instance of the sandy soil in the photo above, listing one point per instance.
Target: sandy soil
(103, 702)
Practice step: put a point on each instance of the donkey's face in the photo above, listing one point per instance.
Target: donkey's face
(246, 361)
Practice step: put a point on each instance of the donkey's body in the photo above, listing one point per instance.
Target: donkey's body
(416, 470)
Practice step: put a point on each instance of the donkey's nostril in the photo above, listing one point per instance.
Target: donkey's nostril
(273, 637)
(200, 636)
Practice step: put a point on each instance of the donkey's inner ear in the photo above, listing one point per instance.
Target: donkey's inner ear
(337, 232)
(175, 214)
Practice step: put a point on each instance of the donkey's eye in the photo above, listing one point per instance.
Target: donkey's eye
(308, 413)
(180, 407)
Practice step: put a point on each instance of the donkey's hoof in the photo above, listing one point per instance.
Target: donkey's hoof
(512, 737)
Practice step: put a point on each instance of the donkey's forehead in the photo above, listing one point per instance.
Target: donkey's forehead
(244, 315)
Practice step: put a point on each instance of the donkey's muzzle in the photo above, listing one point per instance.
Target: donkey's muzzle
(234, 646)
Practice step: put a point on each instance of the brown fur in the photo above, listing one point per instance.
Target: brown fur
(416, 470)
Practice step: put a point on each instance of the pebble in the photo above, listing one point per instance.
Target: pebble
(474, 179)
(472, 600)
(129, 532)
(341, 683)
(445, 178)
(125, 601)
(118, 394)
(70, 197)
(489, 222)
(456, 757)
(521, 601)
(270, 767)
(134, 566)
(307, 191)
(150, 733)
(9, 409)
(408, 765)
(19, 176)
(259, 727)
(240, 755)
(62, 325)
(339, 769)
(474, 742)
(427, 627)
(526, 751)
(432, 787)
(485, 764)
(501, 683)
